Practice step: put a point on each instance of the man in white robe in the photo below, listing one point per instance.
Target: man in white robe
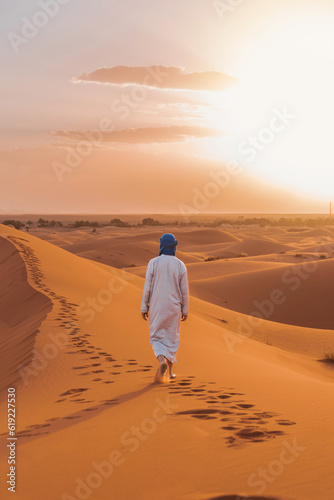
(165, 303)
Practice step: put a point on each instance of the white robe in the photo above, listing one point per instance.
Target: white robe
(165, 296)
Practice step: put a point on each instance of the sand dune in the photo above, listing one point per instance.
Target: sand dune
(204, 270)
(220, 267)
(112, 247)
(205, 236)
(22, 310)
(123, 247)
(94, 426)
(318, 233)
(326, 249)
(278, 294)
(257, 246)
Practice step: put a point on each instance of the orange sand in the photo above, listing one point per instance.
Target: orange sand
(250, 413)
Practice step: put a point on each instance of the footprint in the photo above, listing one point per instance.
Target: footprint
(285, 422)
(70, 392)
(250, 434)
(242, 497)
(110, 401)
(204, 417)
(200, 411)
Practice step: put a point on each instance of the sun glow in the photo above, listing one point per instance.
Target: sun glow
(291, 70)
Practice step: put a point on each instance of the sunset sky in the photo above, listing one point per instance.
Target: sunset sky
(151, 106)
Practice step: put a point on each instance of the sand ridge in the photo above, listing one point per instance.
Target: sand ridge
(233, 411)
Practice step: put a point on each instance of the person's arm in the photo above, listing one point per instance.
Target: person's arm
(146, 291)
(185, 295)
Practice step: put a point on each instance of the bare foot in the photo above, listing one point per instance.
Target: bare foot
(161, 372)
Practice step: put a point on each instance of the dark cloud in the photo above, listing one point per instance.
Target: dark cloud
(140, 135)
(161, 77)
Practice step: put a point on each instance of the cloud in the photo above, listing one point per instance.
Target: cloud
(140, 135)
(161, 77)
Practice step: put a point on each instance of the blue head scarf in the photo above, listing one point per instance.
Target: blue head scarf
(168, 244)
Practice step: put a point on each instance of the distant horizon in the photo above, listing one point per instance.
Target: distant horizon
(165, 214)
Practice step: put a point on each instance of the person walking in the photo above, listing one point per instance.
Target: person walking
(165, 303)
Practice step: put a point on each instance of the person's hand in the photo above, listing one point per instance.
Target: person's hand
(144, 316)
(184, 317)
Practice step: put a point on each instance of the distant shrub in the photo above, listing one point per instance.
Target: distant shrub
(148, 221)
(46, 223)
(119, 223)
(208, 259)
(15, 223)
(329, 356)
(298, 255)
(84, 223)
(322, 256)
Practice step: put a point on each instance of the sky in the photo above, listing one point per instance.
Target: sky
(221, 106)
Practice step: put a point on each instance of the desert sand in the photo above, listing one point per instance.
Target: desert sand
(250, 414)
